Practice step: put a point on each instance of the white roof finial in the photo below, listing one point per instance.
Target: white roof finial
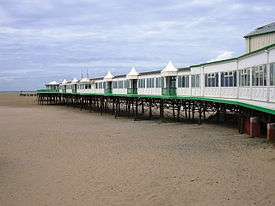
(133, 74)
(53, 83)
(64, 82)
(169, 70)
(109, 76)
(74, 81)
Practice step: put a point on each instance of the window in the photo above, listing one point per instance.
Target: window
(229, 79)
(150, 82)
(198, 80)
(183, 81)
(195, 80)
(259, 76)
(159, 82)
(114, 84)
(126, 84)
(212, 80)
(120, 84)
(272, 74)
(244, 77)
(100, 85)
(141, 83)
(87, 86)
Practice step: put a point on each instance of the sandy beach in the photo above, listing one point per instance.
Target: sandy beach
(55, 155)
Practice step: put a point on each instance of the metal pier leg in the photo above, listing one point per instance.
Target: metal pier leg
(189, 110)
(173, 105)
(204, 110)
(200, 113)
(193, 110)
(161, 109)
(113, 106)
(136, 110)
(142, 106)
(150, 109)
(178, 110)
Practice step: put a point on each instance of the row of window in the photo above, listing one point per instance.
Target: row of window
(120, 84)
(227, 79)
(183, 81)
(84, 86)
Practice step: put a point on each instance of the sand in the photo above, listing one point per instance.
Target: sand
(54, 155)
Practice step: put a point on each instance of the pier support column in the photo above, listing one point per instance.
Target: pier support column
(178, 110)
(204, 110)
(200, 113)
(271, 131)
(173, 107)
(150, 109)
(161, 109)
(136, 110)
(255, 128)
(142, 106)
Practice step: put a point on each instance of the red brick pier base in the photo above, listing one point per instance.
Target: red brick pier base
(271, 131)
(255, 127)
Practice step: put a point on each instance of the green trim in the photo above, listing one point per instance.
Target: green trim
(169, 91)
(48, 91)
(236, 58)
(132, 91)
(216, 100)
(256, 51)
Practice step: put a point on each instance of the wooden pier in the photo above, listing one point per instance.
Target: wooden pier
(195, 110)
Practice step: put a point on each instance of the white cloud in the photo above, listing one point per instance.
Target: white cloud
(51, 33)
(222, 56)
(206, 2)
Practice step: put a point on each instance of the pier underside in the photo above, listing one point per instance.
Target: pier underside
(246, 116)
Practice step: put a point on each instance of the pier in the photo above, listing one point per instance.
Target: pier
(180, 109)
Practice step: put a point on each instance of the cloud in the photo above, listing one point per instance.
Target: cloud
(222, 56)
(61, 37)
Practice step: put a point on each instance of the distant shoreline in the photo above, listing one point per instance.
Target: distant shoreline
(2, 92)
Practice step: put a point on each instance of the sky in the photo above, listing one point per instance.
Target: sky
(46, 40)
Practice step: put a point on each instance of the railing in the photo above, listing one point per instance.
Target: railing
(169, 91)
(131, 90)
(108, 91)
(48, 90)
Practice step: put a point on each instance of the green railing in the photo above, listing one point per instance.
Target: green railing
(169, 91)
(131, 90)
(48, 90)
(108, 91)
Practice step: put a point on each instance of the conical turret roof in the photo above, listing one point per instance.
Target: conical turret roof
(64, 82)
(169, 70)
(74, 81)
(108, 76)
(53, 83)
(133, 74)
(85, 80)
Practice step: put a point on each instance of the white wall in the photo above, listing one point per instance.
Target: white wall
(184, 91)
(149, 91)
(253, 60)
(221, 67)
(119, 90)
